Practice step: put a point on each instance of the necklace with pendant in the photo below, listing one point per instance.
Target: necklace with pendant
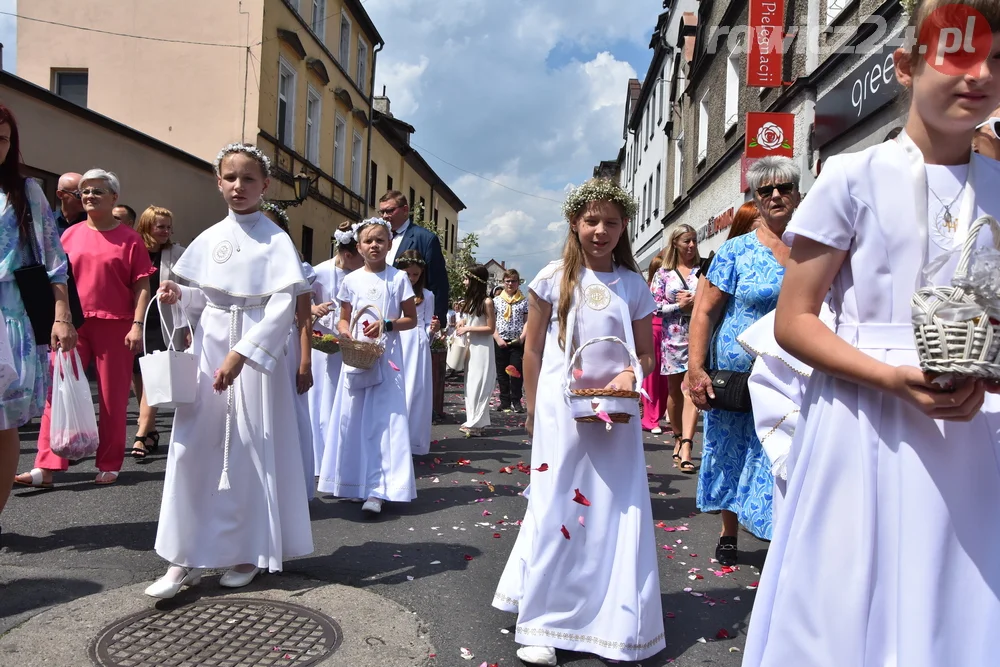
(246, 233)
(947, 224)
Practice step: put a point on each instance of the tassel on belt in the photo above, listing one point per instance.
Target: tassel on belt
(234, 321)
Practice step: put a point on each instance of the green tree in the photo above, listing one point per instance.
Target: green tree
(459, 262)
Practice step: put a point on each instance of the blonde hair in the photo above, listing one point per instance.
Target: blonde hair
(572, 264)
(670, 260)
(654, 266)
(146, 223)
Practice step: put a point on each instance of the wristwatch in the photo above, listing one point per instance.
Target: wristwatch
(387, 325)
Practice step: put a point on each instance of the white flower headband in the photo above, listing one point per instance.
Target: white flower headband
(246, 149)
(358, 226)
(279, 212)
(598, 189)
(345, 237)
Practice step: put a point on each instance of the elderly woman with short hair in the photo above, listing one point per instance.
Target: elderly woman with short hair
(111, 267)
(744, 281)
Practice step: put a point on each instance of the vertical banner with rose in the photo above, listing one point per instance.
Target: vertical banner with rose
(767, 134)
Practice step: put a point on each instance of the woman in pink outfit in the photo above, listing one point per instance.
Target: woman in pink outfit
(111, 267)
(655, 384)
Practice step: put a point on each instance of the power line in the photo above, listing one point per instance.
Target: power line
(122, 34)
(490, 180)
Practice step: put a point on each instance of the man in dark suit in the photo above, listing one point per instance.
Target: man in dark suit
(394, 209)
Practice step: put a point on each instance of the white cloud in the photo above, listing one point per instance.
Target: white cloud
(478, 82)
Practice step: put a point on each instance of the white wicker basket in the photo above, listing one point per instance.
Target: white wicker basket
(968, 345)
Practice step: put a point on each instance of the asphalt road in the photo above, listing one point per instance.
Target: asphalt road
(439, 556)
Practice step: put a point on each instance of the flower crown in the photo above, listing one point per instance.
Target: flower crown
(909, 6)
(404, 262)
(281, 213)
(246, 149)
(368, 222)
(598, 189)
(345, 237)
(473, 276)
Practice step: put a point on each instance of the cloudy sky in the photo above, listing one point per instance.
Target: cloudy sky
(527, 93)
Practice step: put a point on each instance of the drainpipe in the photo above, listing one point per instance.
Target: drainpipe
(371, 121)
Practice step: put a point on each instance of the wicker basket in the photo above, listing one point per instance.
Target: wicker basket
(584, 399)
(326, 343)
(362, 354)
(966, 340)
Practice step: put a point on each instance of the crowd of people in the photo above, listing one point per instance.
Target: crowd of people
(794, 343)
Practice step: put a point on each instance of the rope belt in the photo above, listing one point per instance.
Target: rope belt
(234, 321)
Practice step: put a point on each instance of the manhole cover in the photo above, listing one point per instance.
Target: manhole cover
(219, 633)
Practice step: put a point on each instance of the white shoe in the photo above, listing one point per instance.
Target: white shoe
(656, 430)
(234, 579)
(165, 588)
(537, 655)
(372, 505)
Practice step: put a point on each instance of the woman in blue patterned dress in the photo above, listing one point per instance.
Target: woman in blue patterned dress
(22, 245)
(744, 280)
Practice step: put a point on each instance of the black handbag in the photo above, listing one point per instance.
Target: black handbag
(732, 391)
(36, 291)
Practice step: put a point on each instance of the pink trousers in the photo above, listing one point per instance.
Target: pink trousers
(655, 384)
(104, 342)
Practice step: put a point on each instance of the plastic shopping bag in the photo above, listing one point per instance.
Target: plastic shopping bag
(73, 432)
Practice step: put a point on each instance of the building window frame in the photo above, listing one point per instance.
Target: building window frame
(732, 113)
(656, 201)
(388, 182)
(59, 73)
(702, 130)
(307, 244)
(314, 123)
(339, 148)
(679, 166)
(357, 153)
(372, 183)
(286, 125)
(835, 9)
(362, 64)
(317, 22)
(344, 49)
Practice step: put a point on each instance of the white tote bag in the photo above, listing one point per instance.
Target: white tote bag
(169, 378)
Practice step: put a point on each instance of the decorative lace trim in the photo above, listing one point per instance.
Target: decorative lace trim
(263, 349)
(586, 639)
(773, 356)
(776, 426)
(506, 600)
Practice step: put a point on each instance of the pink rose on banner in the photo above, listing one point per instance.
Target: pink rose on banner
(770, 136)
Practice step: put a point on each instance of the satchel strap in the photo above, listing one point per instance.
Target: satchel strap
(29, 219)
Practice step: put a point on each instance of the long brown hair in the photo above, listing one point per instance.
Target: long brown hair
(475, 293)
(672, 254)
(414, 258)
(654, 266)
(745, 220)
(146, 223)
(572, 266)
(11, 178)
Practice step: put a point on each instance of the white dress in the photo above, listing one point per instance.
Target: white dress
(263, 518)
(417, 367)
(293, 350)
(480, 374)
(598, 591)
(326, 367)
(887, 546)
(367, 451)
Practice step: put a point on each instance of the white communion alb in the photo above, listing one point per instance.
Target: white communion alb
(417, 367)
(367, 452)
(585, 577)
(243, 273)
(480, 373)
(293, 352)
(886, 548)
(326, 367)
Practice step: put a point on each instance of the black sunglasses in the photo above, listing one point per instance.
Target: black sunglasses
(765, 191)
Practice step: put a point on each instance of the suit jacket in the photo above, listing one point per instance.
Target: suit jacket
(427, 244)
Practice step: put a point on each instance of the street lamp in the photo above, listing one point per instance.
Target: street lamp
(301, 184)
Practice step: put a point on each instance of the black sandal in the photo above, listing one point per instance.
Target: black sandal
(139, 453)
(687, 467)
(726, 552)
(677, 450)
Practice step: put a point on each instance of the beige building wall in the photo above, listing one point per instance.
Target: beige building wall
(56, 141)
(187, 95)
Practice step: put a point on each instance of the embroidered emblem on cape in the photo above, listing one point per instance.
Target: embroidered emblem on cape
(597, 297)
(222, 252)
(373, 293)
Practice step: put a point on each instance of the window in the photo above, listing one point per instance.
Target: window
(834, 8)
(447, 228)
(652, 108)
(678, 166)
(313, 115)
(286, 103)
(388, 182)
(649, 206)
(345, 40)
(645, 206)
(656, 202)
(372, 184)
(307, 244)
(435, 219)
(663, 84)
(454, 231)
(362, 64)
(423, 210)
(356, 164)
(339, 148)
(319, 19)
(71, 85)
(645, 135)
(703, 129)
(412, 201)
(732, 88)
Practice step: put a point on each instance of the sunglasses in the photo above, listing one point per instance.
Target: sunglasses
(993, 124)
(95, 192)
(765, 191)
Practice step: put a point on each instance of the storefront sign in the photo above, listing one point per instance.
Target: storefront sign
(769, 134)
(766, 22)
(870, 87)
